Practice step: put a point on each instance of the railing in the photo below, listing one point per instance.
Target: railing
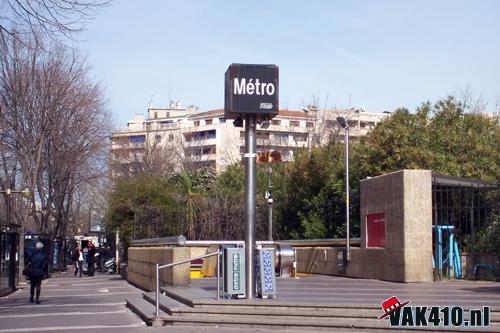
(181, 241)
(158, 267)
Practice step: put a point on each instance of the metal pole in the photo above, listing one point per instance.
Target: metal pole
(270, 203)
(250, 190)
(218, 276)
(347, 192)
(270, 221)
(157, 311)
(7, 194)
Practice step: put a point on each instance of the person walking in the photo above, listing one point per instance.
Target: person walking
(78, 258)
(90, 259)
(37, 267)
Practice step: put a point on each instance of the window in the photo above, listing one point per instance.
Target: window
(196, 123)
(157, 137)
(276, 122)
(222, 120)
(281, 137)
(208, 122)
(294, 123)
(300, 137)
(211, 134)
(204, 135)
(136, 139)
(309, 124)
(262, 135)
(170, 137)
(208, 150)
(156, 115)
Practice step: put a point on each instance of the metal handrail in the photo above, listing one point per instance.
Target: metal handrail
(158, 267)
(172, 240)
(181, 241)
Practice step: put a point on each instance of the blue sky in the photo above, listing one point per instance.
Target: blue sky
(377, 54)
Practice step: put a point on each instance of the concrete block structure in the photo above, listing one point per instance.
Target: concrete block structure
(142, 266)
(396, 226)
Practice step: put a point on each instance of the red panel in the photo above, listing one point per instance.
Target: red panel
(375, 230)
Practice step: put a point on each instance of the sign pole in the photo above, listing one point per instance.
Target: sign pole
(250, 191)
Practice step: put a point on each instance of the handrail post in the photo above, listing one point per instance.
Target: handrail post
(157, 290)
(158, 267)
(218, 275)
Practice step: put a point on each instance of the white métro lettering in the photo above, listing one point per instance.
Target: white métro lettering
(249, 88)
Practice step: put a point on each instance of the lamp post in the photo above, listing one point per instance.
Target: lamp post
(269, 198)
(343, 123)
(27, 193)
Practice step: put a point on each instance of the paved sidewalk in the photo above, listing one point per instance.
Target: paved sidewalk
(87, 304)
(97, 304)
(70, 303)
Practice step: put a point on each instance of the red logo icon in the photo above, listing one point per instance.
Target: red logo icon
(391, 305)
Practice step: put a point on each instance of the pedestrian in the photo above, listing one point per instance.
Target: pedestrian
(91, 259)
(37, 266)
(78, 258)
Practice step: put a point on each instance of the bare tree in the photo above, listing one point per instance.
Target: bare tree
(53, 125)
(54, 18)
(470, 102)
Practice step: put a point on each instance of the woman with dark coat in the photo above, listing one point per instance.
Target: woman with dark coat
(38, 263)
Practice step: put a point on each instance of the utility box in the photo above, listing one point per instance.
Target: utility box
(234, 272)
(266, 280)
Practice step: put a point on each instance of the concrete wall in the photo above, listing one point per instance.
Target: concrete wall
(142, 262)
(324, 260)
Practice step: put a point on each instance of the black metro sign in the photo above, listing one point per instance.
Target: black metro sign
(251, 89)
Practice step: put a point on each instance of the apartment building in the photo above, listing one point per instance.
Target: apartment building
(174, 137)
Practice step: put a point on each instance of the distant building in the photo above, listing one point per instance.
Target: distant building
(173, 138)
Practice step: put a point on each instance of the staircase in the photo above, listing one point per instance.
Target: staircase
(198, 307)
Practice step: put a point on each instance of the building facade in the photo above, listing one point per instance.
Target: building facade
(175, 138)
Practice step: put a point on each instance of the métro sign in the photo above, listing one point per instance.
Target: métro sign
(251, 89)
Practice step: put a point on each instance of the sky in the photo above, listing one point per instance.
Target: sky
(379, 55)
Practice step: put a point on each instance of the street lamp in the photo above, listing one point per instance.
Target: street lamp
(27, 193)
(269, 198)
(24, 191)
(343, 123)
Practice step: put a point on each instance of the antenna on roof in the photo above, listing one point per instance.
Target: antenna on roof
(150, 103)
(349, 105)
(169, 87)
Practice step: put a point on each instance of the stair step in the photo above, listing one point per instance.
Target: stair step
(270, 312)
(306, 324)
(144, 309)
(167, 304)
(188, 295)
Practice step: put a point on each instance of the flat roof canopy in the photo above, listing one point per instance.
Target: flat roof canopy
(438, 179)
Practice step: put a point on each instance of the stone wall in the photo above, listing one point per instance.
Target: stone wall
(141, 270)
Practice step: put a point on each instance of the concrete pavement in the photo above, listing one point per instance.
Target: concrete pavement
(88, 304)
(70, 303)
(97, 304)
